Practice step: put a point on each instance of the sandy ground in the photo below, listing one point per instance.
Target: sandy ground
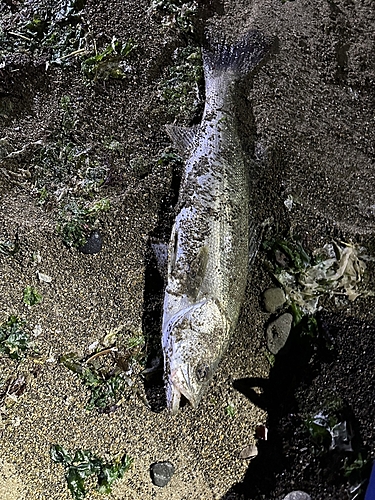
(313, 108)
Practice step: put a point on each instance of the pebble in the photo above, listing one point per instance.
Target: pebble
(261, 432)
(273, 299)
(248, 452)
(278, 332)
(93, 244)
(297, 495)
(161, 473)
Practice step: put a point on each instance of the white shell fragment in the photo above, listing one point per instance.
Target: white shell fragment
(248, 452)
(37, 330)
(43, 278)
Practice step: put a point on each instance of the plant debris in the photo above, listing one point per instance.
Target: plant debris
(13, 339)
(329, 427)
(12, 389)
(109, 372)
(177, 13)
(109, 63)
(180, 88)
(328, 432)
(31, 296)
(78, 221)
(331, 431)
(10, 248)
(65, 164)
(53, 33)
(83, 464)
(336, 270)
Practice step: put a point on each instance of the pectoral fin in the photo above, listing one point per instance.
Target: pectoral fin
(182, 137)
(160, 251)
(196, 273)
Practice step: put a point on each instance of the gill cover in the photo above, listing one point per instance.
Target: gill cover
(193, 343)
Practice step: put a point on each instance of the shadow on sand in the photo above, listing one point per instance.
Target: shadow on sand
(295, 367)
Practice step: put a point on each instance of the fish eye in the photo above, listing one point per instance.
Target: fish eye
(202, 372)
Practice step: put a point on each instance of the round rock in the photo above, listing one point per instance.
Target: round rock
(273, 299)
(297, 495)
(161, 473)
(278, 332)
(93, 244)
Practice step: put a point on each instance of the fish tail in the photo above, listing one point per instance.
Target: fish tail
(241, 58)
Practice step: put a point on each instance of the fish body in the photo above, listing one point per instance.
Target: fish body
(208, 253)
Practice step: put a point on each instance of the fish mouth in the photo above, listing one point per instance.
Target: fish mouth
(173, 398)
(177, 387)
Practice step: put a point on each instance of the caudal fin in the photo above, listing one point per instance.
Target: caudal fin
(240, 58)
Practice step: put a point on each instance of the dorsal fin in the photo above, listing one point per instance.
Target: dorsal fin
(182, 137)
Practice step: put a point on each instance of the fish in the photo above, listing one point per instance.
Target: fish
(212, 235)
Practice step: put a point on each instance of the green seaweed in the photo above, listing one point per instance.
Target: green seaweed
(230, 410)
(83, 464)
(177, 13)
(180, 88)
(13, 339)
(287, 254)
(64, 165)
(334, 269)
(77, 220)
(169, 157)
(54, 32)
(107, 373)
(31, 296)
(108, 63)
(106, 389)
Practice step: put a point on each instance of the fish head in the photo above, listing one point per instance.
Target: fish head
(194, 341)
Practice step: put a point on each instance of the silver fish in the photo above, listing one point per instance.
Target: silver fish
(208, 253)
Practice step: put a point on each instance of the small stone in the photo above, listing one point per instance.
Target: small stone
(273, 299)
(93, 244)
(161, 473)
(261, 432)
(248, 452)
(297, 495)
(278, 332)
